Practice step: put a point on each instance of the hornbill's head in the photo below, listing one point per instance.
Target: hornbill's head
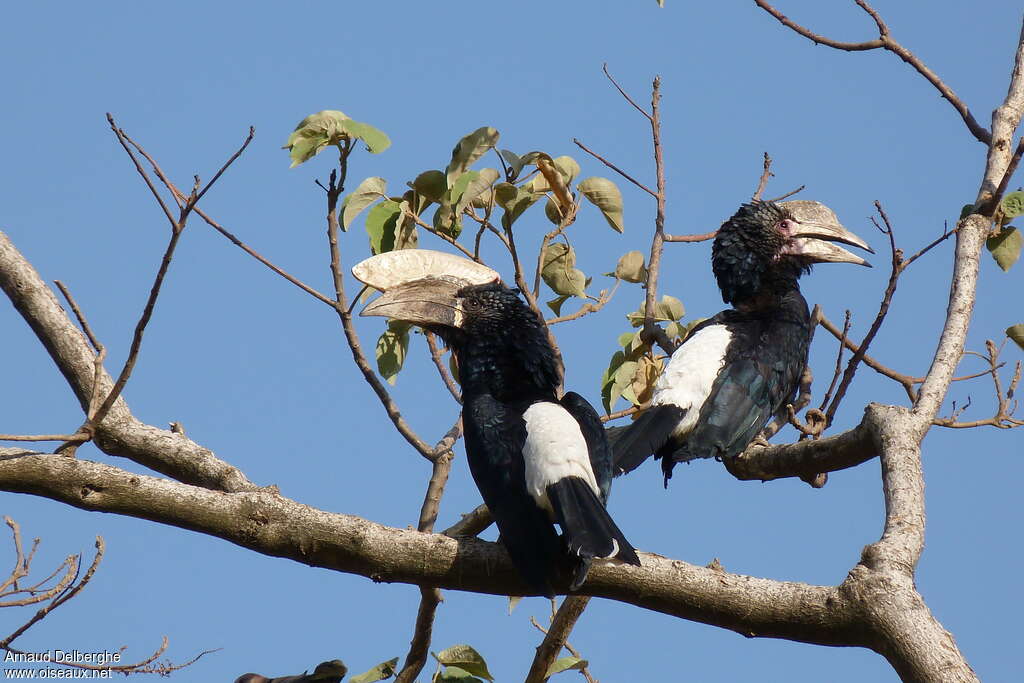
(765, 247)
(438, 291)
(503, 343)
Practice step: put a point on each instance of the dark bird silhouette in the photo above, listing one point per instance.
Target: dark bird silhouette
(737, 369)
(537, 459)
(325, 672)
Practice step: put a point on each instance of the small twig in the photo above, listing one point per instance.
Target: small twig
(765, 175)
(615, 168)
(839, 361)
(702, 237)
(883, 309)
(555, 636)
(604, 68)
(588, 307)
(887, 42)
(442, 369)
(625, 412)
(256, 255)
(788, 194)
(101, 355)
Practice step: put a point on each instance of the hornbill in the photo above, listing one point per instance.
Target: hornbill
(737, 369)
(536, 459)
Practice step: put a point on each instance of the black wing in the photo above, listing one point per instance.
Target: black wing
(594, 435)
(758, 378)
(495, 434)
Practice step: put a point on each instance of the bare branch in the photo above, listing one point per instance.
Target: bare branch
(556, 636)
(887, 42)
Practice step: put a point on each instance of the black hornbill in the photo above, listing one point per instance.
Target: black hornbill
(536, 459)
(737, 369)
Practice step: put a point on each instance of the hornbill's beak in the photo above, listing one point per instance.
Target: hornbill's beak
(393, 268)
(420, 285)
(429, 301)
(814, 229)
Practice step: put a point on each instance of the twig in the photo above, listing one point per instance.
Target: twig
(604, 68)
(883, 309)
(702, 237)
(788, 194)
(101, 355)
(839, 361)
(625, 412)
(765, 175)
(446, 377)
(334, 190)
(588, 307)
(887, 42)
(555, 636)
(615, 168)
(430, 597)
(651, 331)
(256, 255)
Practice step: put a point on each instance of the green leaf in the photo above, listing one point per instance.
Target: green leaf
(469, 149)
(454, 674)
(1012, 204)
(512, 160)
(559, 270)
(1016, 333)
(475, 187)
(406, 236)
(431, 184)
(380, 225)
(460, 185)
(313, 133)
(556, 303)
(391, 349)
(631, 267)
(622, 381)
(514, 201)
(377, 673)
(552, 212)
(333, 670)
(446, 221)
(330, 127)
(605, 195)
(375, 139)
(966, 211)
(565, 664)
(369, 191)
(1005, 246)
(669, 308)
(466, 658)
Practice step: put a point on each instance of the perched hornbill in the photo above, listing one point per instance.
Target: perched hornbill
(736, 370)
(536, 459)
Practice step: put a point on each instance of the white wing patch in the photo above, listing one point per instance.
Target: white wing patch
(691, 371)
(554, 449)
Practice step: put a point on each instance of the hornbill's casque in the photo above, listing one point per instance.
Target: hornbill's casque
(736, 370)
(536, 459)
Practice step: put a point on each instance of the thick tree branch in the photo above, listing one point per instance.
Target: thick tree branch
(120, 434)
(268, 523)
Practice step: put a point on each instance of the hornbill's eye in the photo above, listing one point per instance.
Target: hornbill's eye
(471, 304)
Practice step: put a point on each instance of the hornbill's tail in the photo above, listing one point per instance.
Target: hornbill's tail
(633, 444)
(587, 528)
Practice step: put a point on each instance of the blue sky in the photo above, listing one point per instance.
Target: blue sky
(259, 372)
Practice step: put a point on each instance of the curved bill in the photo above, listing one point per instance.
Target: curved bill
(429, 301)
(814, 219)
(394, 268)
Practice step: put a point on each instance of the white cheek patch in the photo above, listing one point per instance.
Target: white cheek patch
(691, 371)
(554, 449)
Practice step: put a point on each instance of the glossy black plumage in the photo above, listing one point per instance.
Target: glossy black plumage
(754, 353)
(509, 376)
